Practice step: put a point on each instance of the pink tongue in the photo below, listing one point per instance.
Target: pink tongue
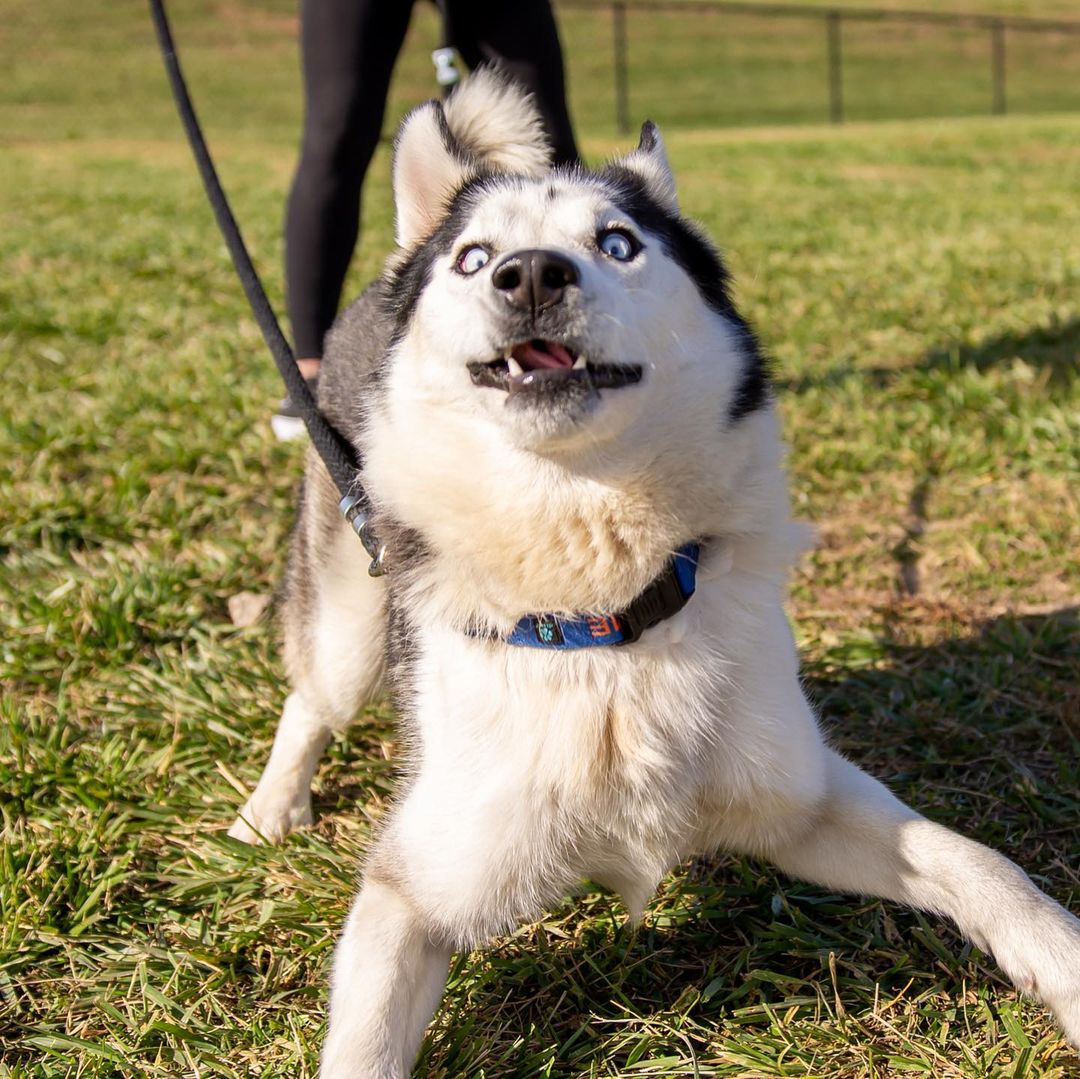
(551, 355)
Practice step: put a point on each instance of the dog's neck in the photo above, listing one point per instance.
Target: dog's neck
(571, 544)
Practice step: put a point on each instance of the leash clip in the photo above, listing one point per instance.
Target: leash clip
(352, 509)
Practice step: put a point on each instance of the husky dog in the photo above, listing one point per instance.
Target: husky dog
(566, 430)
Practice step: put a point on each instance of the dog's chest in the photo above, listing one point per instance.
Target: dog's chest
(600, 755)
(534, 769)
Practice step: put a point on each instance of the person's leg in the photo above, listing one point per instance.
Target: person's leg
(348, 51)
(522, 38)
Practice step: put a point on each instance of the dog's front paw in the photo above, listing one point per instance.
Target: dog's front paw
(1063, 999)
(1042, 957)
(1069, 1018)
(270, 820)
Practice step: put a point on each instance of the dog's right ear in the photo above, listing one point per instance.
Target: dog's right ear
(429, 166)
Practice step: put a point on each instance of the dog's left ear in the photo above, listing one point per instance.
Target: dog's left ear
(429, 166)
(650, 162)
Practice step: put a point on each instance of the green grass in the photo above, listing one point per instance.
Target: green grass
(723, 68)
(91, 73)
(1032, 9)
(918, 284)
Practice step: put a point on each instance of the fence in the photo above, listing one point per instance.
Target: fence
(937, 66)
(709, 63)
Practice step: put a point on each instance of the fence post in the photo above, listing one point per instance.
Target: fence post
(997, 62)
(836, 71)
(622, 67)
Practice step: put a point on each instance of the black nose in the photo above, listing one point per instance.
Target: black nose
(535, 279)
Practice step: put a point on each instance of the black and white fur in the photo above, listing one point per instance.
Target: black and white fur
(529, 770)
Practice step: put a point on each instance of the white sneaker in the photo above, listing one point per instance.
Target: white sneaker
(287, 423)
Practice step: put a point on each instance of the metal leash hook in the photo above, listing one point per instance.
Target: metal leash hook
(352, 509)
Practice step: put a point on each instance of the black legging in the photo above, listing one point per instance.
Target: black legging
(348, 49)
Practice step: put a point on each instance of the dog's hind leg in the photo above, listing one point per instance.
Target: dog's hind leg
(335, 634)
(862, 839)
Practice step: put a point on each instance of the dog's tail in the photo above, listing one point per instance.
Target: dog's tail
(496, 121)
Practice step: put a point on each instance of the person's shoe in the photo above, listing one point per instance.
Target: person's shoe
(287, 423)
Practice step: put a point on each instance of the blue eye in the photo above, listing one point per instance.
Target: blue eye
(472, 259)
(617, 244)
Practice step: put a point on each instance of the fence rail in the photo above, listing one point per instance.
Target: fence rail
(833, 21)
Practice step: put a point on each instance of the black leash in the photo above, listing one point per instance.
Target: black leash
(338, 455)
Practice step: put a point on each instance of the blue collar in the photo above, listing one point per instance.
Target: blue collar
(666, 596)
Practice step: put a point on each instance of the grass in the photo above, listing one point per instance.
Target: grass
(723, 68)
(706, 69)
(918, 284)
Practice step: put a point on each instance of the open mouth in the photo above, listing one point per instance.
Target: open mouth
(542, 366)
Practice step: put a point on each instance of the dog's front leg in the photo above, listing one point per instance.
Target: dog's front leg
(863, 839)
(335, 626)
(388, 977)
(282, 799)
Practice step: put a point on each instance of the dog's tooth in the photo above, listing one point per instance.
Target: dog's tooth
(579, 363)
(514, 366)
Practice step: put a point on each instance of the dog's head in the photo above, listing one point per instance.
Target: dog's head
(557, 305)
(552, 318)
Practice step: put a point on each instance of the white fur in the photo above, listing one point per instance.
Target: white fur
(332, 689)
(533, 769)
(498, 125)
(424, 168)
(492, 124)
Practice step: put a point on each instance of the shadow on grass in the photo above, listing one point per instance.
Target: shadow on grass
(971, 709)
(1054, 349)
(981, 732)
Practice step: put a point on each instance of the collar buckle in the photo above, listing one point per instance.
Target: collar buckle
(662, 599)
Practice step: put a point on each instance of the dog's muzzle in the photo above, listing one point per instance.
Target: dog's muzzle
(535, 284)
